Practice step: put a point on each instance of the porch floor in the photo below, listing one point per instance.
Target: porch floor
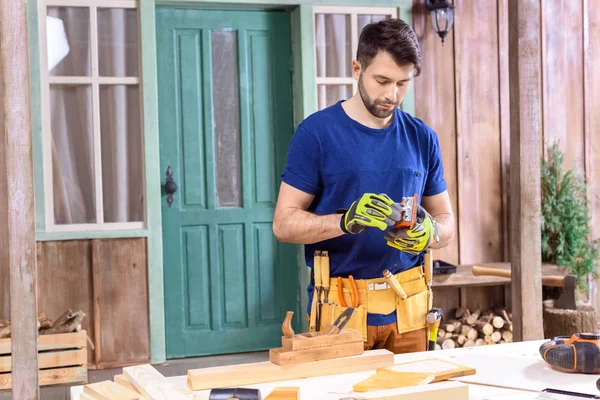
(169, 368)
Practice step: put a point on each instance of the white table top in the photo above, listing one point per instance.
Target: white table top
(520, 363)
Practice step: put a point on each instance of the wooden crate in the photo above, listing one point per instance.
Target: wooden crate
(62, 358)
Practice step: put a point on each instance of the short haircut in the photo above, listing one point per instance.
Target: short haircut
(393, 36)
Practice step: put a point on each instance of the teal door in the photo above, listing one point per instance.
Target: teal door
(225, 112)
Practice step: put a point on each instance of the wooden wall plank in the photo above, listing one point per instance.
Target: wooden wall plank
(121, 314)
(478, 132)
(65, 282)
(525, 130)
(562, 63)
(434, 97)
(591, 18)
(5, 271)
(504, 121)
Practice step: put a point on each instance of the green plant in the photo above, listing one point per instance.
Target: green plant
(566, 238)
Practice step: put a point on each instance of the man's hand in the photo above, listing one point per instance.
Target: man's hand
(417, 239)
(370, 210)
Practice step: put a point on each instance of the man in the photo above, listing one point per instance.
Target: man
(348, 167)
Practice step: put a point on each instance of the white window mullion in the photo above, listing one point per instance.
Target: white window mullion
(354, 43)
(96, 116)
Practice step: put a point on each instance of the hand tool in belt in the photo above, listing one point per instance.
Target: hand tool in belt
(353, 291)
(318, 285)
(393, 282)
(325, 273)
(338, 325)
(433, 319)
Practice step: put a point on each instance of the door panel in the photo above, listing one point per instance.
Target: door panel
(225, 122)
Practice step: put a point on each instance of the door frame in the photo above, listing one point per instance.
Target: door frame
(304, 92)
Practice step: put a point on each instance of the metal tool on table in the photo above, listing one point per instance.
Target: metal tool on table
(432, 322)
(556, 394)
(235, 393)
(318, 286)
(578, 353)
(339, 324)
(568, 284)
(353, 291)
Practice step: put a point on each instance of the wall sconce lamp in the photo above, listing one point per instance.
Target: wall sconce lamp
(442, 16)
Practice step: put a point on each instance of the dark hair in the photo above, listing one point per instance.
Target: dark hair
(393, 36)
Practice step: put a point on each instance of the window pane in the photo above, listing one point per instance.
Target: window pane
(333, 45)
(122, 153)
(72, 154)
(331, 94)
(118, 42)
(227, 118)
(363, 20)
(68, 30)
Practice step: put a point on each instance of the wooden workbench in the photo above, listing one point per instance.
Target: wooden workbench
(500, 369)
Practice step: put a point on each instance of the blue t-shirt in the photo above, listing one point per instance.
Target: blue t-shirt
(338, 159)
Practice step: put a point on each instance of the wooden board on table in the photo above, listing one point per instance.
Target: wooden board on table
(301, 349)
(153, 385)
(123, 381)
(441, 369)
(284, 393)
(387, 379)
(109, 390)
(433, 391)
(248, 374)
(523, 373)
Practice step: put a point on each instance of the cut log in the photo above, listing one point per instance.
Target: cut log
(464, 330)
(473, 317)
(480, 342)
(496, 336)
(461, 339)
(507, 336)
(441, 333)
(560, 322)
(498, 322)
(448, 344)
(469, 343)
(484, 327)
(472, 334)
(488, 339)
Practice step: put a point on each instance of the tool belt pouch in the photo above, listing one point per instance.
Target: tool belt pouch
(358, 321)
(411, 312)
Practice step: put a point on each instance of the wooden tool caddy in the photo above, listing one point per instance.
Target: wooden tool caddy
(307, 347)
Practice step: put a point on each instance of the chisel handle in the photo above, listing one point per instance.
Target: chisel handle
(393, 282)
(317, 270)
(325, 269)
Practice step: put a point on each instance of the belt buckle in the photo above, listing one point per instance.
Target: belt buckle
(379, 286)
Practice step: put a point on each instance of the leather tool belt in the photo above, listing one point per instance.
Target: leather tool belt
(376, 296)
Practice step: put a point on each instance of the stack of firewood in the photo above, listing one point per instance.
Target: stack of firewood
(68, 322)
(475, 328)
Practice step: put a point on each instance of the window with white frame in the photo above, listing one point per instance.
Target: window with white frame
(92, 121)
(337, 30)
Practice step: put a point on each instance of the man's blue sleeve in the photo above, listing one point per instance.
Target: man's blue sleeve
(303, 168)
(435, 178)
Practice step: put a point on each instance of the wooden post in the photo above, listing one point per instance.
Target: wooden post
(525, 151)
(14, 69)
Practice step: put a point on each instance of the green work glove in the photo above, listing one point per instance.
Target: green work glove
(417, 239)
(370, 210)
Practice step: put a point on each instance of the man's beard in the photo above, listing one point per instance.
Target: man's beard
(372, 105)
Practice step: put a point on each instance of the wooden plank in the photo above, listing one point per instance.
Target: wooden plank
(4, 272)
(562, 61)
(248, 374)
(503, 79)
(153, 385)
(65, 282)
(52, 377)
(525, 116)
(61, 341)
(435, 105)
(53, 359)
(478, 133)
(123, 381)
(20, 217)
(120, 310)
(109, 390)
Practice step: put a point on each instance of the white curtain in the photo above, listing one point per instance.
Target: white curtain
(334, 53)
(120, 121)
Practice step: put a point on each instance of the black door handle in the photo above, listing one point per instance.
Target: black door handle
(170, 186)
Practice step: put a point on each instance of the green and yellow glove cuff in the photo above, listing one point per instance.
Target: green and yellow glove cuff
(370, 210)
(417, 239)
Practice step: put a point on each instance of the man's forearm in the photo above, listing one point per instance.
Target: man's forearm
(446, 228)
(294, 225)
